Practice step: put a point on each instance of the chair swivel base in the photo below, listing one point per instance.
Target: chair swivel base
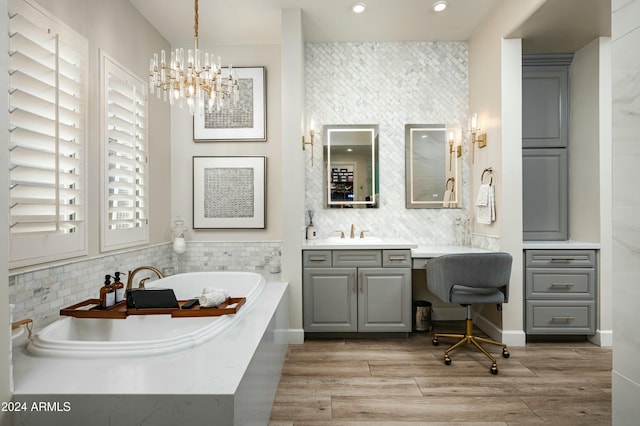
(469, 338)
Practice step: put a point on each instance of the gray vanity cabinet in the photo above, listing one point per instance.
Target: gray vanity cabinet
(356, 291)
(560, 291)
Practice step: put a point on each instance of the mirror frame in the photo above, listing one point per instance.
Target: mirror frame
(327, 131)
(450, 180)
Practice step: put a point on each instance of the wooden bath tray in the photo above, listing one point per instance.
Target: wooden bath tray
(225, 308)
(84, 310)
(120, 310)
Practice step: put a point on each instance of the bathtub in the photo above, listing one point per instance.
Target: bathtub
(148, 334)
(230, 378)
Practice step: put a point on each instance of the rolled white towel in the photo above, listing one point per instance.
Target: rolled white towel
(212, 297)
(215, 290)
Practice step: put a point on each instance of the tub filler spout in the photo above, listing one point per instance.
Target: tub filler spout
(141, 268)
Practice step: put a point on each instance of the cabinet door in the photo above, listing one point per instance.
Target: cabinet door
(329, 299)
(545, 194)
(384, 299)
(545, 112)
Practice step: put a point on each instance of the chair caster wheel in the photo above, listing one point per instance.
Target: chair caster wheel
(447, 360)
(494, 369)
(435, 341)
(505, 353)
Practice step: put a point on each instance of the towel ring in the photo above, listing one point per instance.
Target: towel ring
(453, 184)
(487, 170)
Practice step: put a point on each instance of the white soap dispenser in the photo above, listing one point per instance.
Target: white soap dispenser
(311, 230)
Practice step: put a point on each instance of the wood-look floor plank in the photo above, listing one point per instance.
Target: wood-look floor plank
(457, 368)
(348, 386)
(384, 423)
(404, 382)
(577, 410)
(442, 409)
(301, 407)
(331, 368)
(506, 386)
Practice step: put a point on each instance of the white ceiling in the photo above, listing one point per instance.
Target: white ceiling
(560, 25)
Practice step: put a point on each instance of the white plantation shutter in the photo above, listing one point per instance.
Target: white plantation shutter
(124, 149)
(47, 116)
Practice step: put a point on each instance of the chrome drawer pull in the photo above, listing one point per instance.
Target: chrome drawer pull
(397, 257)
(562, 259)
(317, 259)
(562, 285)
(567, 319)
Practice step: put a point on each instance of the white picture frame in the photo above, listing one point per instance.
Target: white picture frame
(229, 192)
(245, 121)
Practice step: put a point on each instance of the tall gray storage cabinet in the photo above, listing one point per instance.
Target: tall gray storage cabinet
(356, 291)
(545, 143)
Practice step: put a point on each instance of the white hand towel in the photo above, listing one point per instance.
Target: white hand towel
(212, 297)
(483, 195)
(485, 204)
(446, 202)
(449, 200)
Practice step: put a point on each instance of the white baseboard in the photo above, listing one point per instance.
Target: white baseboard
(296, 336)
(602, 338)
(508, 337)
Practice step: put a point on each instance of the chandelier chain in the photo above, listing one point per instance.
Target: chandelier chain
(195, 19)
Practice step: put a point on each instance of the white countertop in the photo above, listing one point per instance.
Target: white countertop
(560, 245)
(357, 244)
(435, 251)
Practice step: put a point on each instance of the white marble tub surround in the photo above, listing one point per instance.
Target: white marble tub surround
(232, 377)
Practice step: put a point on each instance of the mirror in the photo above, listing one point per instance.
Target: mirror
(351, 165)
(431, 166)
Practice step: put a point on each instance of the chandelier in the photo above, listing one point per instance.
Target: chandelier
(195, 78)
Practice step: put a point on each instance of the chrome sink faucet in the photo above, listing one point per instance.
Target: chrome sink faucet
(353, 231)
(141, 268)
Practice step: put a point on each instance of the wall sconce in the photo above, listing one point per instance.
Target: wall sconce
(476, 136)
(305, 143)
(451, 144)
(453, 147)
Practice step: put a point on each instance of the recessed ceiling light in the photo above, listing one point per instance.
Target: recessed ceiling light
(441, 5)
(358, 7)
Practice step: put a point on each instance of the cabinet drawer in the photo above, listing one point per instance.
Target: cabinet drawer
(396, 258)
(558, 283)
(356, 258)
(316, 258)
(561, 258)
(560, 317)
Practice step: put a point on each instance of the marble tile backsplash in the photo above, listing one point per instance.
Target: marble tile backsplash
(389, 84)
(39, 294)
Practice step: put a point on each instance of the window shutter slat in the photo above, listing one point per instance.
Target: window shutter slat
(47, 70)
(124, 159)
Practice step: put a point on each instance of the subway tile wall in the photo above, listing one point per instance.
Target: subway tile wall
(39, 294)
(389, 84)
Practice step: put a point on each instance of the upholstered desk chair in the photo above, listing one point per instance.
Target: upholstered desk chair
(467, 279)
